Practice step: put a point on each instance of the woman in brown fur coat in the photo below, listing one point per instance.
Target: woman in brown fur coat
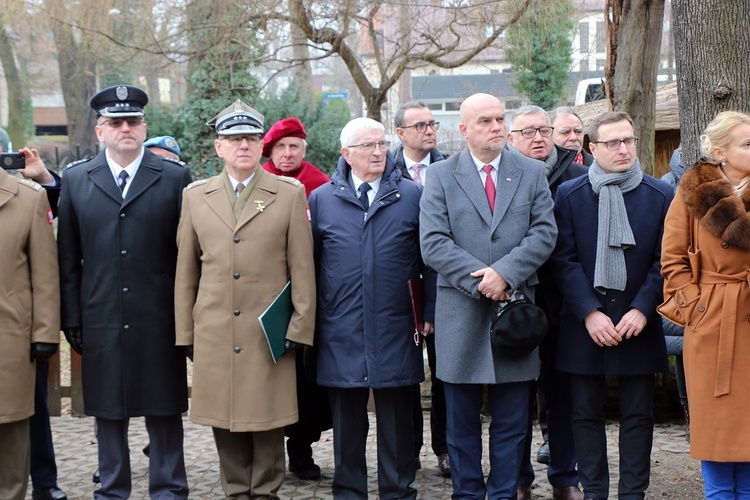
(708, 224)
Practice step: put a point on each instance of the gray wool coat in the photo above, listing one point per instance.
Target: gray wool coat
(460, 235)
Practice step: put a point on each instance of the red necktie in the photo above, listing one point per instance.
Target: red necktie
(489, 187)
(579, 158)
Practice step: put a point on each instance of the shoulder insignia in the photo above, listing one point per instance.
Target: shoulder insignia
(30, 183)
(176, 162)
(290, 180)
(197, 183)
(78, 162)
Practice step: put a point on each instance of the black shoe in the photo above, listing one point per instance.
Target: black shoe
(95, 478)
(304, 469)
(444, 464)
(53, 493)
(543, 456)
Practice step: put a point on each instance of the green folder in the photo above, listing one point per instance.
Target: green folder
(275, 321)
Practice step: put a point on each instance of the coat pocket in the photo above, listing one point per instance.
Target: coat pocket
(678, 307)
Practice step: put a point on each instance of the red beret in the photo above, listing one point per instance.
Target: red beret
(288, 127)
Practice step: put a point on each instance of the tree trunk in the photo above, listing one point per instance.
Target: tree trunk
(302, 77)
(16, 92)
(634, 29)
(712, 43)
(78, 81)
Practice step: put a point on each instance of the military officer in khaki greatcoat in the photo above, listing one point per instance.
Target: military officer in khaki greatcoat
(29, 319)
(243, 234)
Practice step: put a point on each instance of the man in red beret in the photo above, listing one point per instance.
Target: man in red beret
(285, 145)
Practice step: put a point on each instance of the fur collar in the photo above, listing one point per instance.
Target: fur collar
(711, 199)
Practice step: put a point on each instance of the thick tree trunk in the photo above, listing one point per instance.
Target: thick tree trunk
(712, 43)
(302, 72)
(634, 29)
(78, 80)
(16, 92)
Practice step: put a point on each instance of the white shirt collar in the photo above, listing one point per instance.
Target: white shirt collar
(375, 185)
(234, 181)
(131, 169)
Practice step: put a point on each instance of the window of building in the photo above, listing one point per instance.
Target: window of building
(435, 106)
(601, 37)
(600, 64)
(583, 33)
(453, 106)
(584, 65)
(513, 104)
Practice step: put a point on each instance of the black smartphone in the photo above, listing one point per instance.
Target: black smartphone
(12, 161)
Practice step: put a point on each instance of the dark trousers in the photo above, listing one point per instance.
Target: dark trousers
(509, 407)
(43, 466)
(166, 465)
(555, 385)
(437, 408)
(636, 434)
(395, 440)
(314, 414)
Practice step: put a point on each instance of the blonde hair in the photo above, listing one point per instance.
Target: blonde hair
(718, 133)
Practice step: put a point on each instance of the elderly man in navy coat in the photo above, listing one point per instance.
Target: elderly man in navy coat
(118, 220)
(366, 233)
(606, 262)
(486, 226)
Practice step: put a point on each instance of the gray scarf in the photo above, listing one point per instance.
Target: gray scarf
(549, 163)
(614, 234)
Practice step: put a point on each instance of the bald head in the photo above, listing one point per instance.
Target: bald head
(483, 126)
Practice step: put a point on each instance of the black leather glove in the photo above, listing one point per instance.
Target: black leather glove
(187, 350)
(290, 345)
(42, 351)
(74, 336)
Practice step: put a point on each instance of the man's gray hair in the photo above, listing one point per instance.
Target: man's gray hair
(402, 111)
(351, 130)
(529, 109)
(563, 111)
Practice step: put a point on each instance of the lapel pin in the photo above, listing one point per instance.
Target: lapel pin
(259, 205)
(508, 179)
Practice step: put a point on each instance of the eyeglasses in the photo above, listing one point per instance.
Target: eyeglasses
(614, 144)
(529, 133)
(422, 126)
(368, 147)
(236, 140)
(132, 121)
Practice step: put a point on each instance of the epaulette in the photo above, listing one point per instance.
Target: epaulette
(290, 180)
(178, 162)
(30, 183)
(197, 183)
(78, 162)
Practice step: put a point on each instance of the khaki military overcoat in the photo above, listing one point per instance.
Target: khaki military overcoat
(715, 300)
(29, 291)
(228, 272)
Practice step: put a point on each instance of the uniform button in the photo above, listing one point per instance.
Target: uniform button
(123, 252)
(724, 244)
(122, 215)
(236, 239)
(126, 327)
(125, 290)
(611, 299)
(236, 276)
(494, 239)
(236, 312)
(748, 319)
(237, 349)
(701, 308)
(680, 302)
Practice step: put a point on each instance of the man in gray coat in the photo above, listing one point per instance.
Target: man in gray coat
(486, 225)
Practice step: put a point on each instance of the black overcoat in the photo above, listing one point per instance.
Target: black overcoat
(117, 268)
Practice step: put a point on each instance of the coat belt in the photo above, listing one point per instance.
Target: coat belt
(728, 324)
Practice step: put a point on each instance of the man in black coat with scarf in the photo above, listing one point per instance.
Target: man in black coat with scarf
(117, 231)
